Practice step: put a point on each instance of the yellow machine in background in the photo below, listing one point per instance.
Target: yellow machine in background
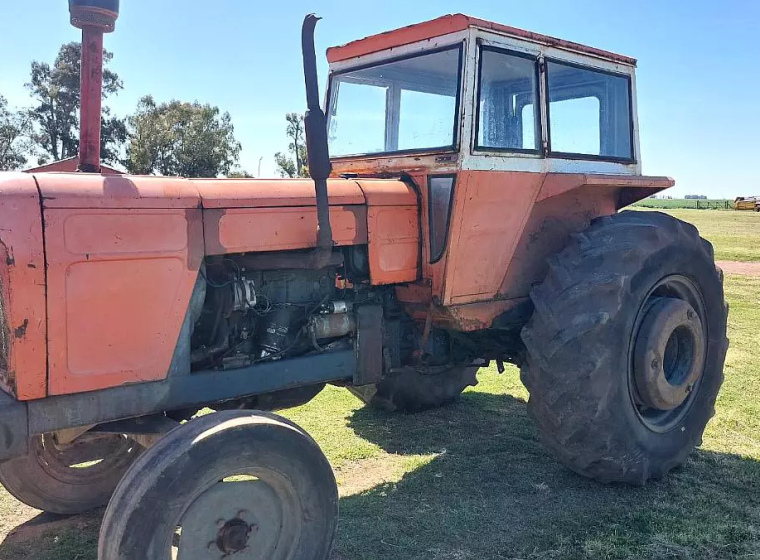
(747, 203)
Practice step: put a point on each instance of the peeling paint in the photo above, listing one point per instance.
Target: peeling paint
(20, 331)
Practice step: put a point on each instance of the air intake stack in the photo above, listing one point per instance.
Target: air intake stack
(94, 18)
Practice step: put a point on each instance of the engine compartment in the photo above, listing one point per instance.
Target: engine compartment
(264, 307)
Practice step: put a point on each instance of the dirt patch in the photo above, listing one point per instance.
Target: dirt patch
(359, 476)
(736, 267)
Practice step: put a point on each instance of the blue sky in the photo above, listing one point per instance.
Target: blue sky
(698, 81)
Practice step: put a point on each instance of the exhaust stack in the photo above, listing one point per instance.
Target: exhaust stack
(315, 125)
(94, 18)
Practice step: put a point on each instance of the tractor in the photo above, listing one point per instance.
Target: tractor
(463, 209)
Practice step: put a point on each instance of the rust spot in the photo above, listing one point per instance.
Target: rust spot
(9, 260)
(31, 265)
(20, 332)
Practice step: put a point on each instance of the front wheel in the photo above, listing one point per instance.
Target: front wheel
(626, 347)
(233, 484)
(71, 478)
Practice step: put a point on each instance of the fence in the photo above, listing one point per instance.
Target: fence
(717, 204)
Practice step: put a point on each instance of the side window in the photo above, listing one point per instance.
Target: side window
(440, 198)
(589, 112)
(508, 91)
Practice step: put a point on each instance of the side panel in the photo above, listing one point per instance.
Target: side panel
(240, 230)
(489, 214)
(394, 244)
(23, 354)
(119, 284)
(393, 230)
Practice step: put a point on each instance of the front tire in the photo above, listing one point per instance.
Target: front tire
(231, 484)
(626, 347)
(69, 479)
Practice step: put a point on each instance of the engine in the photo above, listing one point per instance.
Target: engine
(255, 311)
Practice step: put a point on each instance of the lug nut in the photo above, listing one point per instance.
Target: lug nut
(220, 523)
(242, 514)
(655, 363)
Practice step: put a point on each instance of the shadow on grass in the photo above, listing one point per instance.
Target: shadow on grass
(492, 491)
(488, 490)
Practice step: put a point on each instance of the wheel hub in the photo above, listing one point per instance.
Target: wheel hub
(233, 536)
(669, 353)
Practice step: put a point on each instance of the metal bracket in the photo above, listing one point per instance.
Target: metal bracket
(369, 345)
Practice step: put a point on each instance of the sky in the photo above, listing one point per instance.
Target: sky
(697, 78)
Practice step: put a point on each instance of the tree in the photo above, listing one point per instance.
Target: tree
(176, 138)
(296, 163)
(56, 92)
(14, 137)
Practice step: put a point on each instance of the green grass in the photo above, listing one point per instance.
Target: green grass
(472, 481)
(735, 235)
(676, 203)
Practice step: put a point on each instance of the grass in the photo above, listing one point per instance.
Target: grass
(472, 481)
(735, 235)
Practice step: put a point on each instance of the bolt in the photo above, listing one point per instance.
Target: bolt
(220, 523)
(655, 363)
(690, 314)
(242, 514)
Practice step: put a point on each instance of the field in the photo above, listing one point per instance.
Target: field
(682, 203)
(472, 481)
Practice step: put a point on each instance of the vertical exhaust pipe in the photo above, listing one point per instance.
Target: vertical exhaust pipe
(315, 125)
(94, 18)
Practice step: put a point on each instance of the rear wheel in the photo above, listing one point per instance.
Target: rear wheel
(626, 347)
(233, 484)
(71, 478)
(415, 390)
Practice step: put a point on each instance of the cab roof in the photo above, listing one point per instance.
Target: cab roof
(454, 23)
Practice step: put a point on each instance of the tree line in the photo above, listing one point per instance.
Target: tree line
(170, 138)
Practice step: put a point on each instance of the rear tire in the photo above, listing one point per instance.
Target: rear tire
(228, 484)
(589, 311)
(414, 390)
(49, 479)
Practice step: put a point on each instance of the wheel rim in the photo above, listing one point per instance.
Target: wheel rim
(246, 516)
(86, 460)
(668, 353)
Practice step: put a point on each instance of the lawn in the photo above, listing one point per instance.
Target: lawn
(472, 481)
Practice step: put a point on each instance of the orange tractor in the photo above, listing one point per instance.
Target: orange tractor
(463, 209)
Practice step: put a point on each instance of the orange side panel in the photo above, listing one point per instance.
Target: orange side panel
(119, 284)
(85, 190)
(394, 244)
(22, 279)
(241, 230)
(261, 193)
(490, 210)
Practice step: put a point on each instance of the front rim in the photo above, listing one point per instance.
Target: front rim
(247, 515)
(86, 460)
(676, 357)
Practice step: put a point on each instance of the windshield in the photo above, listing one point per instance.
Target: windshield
(406, 105)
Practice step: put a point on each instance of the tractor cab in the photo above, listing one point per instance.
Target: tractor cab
(459, 92)
(513, 140)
